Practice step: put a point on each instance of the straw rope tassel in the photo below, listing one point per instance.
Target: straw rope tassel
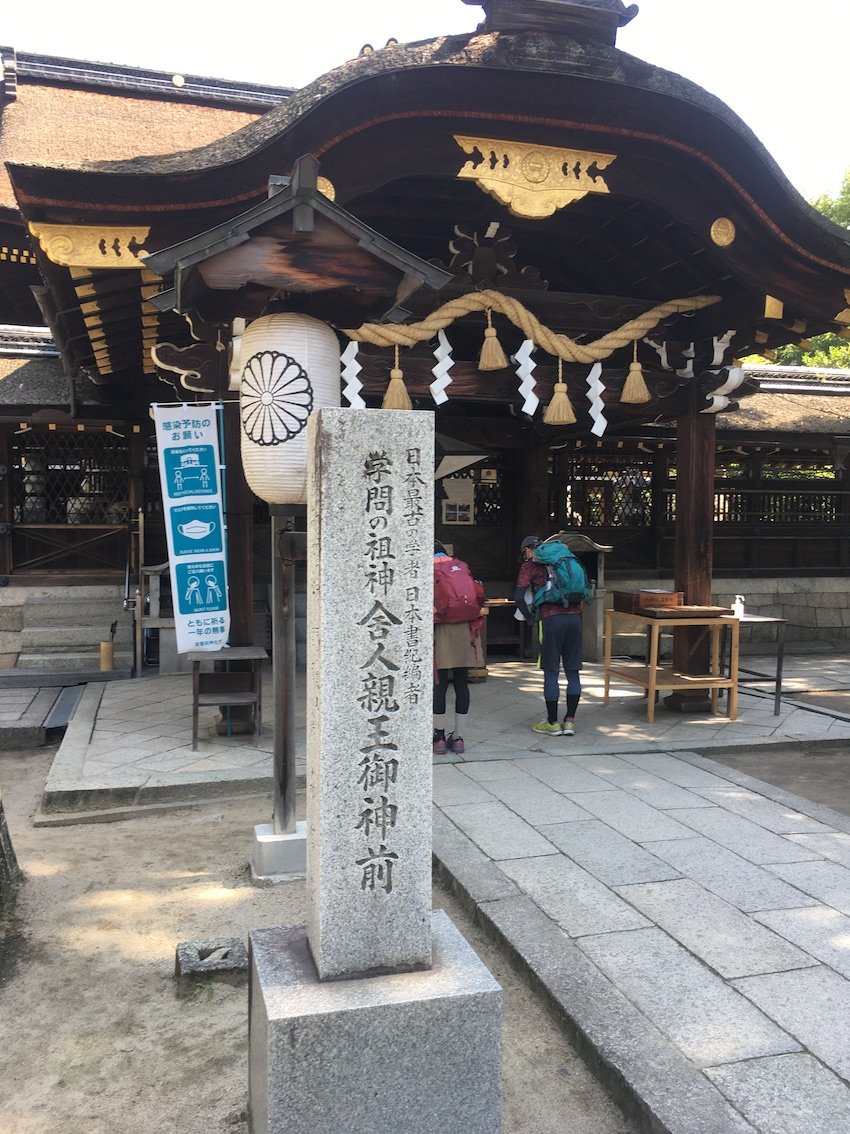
(492, 355)
(396, 396)
(635, 390)
(560, 409)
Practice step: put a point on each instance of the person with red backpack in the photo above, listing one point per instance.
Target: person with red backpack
(458, 599)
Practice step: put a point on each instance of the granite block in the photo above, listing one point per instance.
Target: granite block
(835, 845)
(471, 873)
(453, 787)
(369, 684)
(726, 939)
(729, 876)
(418, 1052)
(676, 769)
(828, 882)
(631, 817)
(707, 1020)
(577, 901)
(626, 1051)
(562, 774)
(813, 1005)
(742, 836)
(607, 855)
(536, 802)
(822, 932)
(654, 790)
(791, 1094)
(772, 816)
(498, 831)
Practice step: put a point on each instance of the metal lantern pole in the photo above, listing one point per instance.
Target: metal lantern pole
(288, 548)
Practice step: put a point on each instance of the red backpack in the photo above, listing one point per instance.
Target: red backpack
(457, 597)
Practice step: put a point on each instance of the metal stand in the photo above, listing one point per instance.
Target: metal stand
(280, 846)
(291, 546)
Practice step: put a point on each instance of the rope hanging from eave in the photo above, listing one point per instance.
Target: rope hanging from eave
(561, 346)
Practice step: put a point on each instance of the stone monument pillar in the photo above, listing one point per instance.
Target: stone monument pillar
(376, 1016)
(9, 870)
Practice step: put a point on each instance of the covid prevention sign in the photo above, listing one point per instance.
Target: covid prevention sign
(190, 475)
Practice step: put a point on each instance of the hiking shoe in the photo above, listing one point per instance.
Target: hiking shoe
(568, 728)
(455, 744)
(546, 728)
(439, 746)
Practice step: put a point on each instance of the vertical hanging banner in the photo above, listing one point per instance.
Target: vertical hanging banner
(192, 503)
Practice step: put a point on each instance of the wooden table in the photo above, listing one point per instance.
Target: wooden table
(228, 687)
(756, 677)
(654, 677)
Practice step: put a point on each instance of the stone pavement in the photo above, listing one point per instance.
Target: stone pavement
(689, 925)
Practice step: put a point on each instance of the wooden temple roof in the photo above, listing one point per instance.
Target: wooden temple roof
(582, 181)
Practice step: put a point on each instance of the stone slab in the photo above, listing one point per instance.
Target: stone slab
(726, 939)
(791, 1094)
(370, 532)
(577, 901)
(821, 931)
(453, 787)
(709, 1022)
(811, 1004)
(742, 836)
(631, 817)
(608, 855)
(563, 774)
(626, 1051)
(471, 873)
(768, 814)
(536, 802)
(826, 882)
(730, 877)
(676, 769)
(835, 845)
(499, 832)
(418, 1052)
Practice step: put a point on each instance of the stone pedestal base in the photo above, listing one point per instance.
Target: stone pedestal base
(418, 1052)
(278, 858)
(686, 702)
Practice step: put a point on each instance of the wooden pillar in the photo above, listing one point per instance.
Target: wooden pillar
(240, 562)
(6, 502)
(695, 438)
(533, 505)
(240, 534)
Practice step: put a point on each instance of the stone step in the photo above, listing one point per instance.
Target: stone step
(106, 592)
(73, 611)
(71, 660)
(68, 636)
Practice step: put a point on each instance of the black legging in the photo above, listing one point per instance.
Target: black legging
(461, 684)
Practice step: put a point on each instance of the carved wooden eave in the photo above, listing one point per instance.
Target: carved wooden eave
(297, 241)
(694, 205)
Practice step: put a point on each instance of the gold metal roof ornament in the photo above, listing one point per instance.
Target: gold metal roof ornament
(533, 181)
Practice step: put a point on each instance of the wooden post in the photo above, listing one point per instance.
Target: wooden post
(695, 437)
(240, 534)
(533, 509)
(240, 563)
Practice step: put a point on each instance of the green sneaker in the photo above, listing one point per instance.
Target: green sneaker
(546, 728)
(568, 728)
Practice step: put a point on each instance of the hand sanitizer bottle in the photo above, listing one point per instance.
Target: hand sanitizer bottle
(738, 607)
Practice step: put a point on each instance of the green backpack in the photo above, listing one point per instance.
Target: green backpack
(567, 583)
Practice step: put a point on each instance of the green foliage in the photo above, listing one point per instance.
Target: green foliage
(836, 209)
(827, 352)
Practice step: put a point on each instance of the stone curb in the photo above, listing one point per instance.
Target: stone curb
(652, 1082)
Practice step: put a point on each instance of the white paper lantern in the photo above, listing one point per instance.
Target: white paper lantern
(289, 367)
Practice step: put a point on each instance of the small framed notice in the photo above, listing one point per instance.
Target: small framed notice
(456, 512)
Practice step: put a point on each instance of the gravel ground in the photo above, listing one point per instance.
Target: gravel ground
(93, 1039)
